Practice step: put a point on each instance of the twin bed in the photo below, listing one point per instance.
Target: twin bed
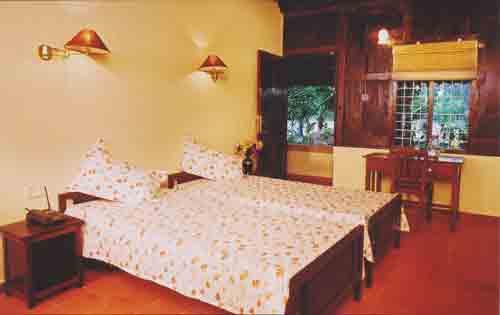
(251, 245)
(379, 212)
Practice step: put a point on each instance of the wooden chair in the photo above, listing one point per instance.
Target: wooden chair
(410, 176)
(375, 170)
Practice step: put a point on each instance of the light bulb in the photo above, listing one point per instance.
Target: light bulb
(384, 38)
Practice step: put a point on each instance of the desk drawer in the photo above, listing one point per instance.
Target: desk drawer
(443, 171)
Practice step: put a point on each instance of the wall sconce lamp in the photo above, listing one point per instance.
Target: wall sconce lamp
(46, 52)
(384, 38)
(86, 42)
(214, 66)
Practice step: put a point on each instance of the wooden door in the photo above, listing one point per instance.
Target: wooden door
(272, 112)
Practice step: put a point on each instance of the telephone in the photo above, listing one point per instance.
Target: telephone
(45, 216)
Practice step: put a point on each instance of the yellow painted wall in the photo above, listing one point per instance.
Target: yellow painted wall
(143, 99)
(480, 186)
(310, 163)
(349, 166)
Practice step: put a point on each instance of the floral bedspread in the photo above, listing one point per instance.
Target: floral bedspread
(323, 202)
(238, 257)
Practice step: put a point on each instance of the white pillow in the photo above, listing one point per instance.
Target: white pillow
(202, 161)
(102, 177)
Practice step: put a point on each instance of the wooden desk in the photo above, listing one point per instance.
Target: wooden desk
(445, 169)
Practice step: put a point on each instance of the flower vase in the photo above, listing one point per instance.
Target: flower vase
(247, 164)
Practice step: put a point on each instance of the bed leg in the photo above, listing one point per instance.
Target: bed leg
(369, 273)
(110, 267)
(397, 238)
(397, 228)
(357, 291)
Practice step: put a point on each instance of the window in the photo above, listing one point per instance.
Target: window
(450, 119)
(311, 119)
(436, 110)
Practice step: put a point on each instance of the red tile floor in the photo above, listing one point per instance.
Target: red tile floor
(435, 272)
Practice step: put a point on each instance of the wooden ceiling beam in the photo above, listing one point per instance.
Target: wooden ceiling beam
(367, 6)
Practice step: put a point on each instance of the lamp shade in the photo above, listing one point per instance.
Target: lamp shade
(88, 42)
(213, 64)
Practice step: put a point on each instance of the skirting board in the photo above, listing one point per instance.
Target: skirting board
(440, 208)
(327, 181)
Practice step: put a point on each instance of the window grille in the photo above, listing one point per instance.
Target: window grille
(412, 110)
(447, 112)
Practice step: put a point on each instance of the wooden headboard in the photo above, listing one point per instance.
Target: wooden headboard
(76, 197)
(180, 178)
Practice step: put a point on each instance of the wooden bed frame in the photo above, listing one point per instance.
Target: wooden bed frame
(383, 225)
(319, 286)
(384, 230)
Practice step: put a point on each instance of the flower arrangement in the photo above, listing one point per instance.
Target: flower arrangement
(248, 147)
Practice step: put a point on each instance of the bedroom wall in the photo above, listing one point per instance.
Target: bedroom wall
(479, 184)
(310, 163)
(143, 99)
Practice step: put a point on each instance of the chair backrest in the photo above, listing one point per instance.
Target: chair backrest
(409, 165)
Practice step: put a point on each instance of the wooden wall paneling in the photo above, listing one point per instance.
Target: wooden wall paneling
(352, 109)
(434, 21)
(370, 124)
(317, 32)
(354, 66)
(407, 22)
(367, 123)
(376, 114)
(385, 98)
(485, 112)
(393, 89)
(341, 42)
(315, 7)
(379, 58)
(473, 116)
(309, 51)
(497, 58)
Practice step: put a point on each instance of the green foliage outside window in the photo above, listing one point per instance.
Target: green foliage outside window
(450, 120)
(311, 119)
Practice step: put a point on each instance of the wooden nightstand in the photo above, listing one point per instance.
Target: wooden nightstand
(40, 260)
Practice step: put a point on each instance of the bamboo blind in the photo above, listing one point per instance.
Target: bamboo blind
(456, 60)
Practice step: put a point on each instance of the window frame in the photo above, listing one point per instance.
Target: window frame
(430, 113)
